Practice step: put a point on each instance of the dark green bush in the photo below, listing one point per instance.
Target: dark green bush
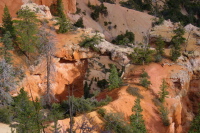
(108, 1)
(124, 39)
(134, 91)
(90, 42)
(82, 105)
(5, 115)
(79, 23)
(103, 84)
(144, 79)
(101, 112)
(114, 122)
(101, 9)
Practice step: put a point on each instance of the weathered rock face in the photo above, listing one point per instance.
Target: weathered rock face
(41, 10)
(69, 5)
(14, 5)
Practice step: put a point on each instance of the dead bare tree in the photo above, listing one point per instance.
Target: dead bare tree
(47, 40)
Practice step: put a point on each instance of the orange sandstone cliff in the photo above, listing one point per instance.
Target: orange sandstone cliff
(14, 5)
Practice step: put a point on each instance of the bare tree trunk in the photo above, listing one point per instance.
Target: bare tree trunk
(70, 110)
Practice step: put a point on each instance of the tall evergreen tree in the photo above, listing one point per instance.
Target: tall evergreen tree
(142, 55)
(176, 41)
(60, 9)
(163, 93)
(114, 79)
(27, 30)
(159, 48)
(144, 79)
(63, 22)
(7, 46)
(136, 119)
(27, 114)
(7, 22)
(64, 25)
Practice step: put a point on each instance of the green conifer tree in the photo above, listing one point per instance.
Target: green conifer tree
(60, 9)
(7, 22)
(7, 46)
(27, 30)
(27, 114)
(142, 55)
(144, 79)
(176, 41)
(114, 79)
(136, 119)
(163, 93)
(64, 25)
(159, 49)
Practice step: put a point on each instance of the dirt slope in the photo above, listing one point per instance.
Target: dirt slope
(124, 19)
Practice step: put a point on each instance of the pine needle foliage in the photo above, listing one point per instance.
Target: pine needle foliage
(90, 42)
(7, 22)
(114, 79)
(144, 79)
(7, 46)
(27, 114)
(136, 119)
(26, 30)
(163, 92)
(176, 42)
(142, 55)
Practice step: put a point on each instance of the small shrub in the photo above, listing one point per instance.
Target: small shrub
(142, 55)
(5, 115)
(124, 39)
(114, 122)
(90, 42)
(158, 21)
(79, 23)
(103, 84)
(101, 112)
(144, 79)
(134, 91)
(104, 101)
(105, 23)
(108, 1)
(78, 10)
(145, 82)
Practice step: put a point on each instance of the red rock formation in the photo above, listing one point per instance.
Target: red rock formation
(14, 5)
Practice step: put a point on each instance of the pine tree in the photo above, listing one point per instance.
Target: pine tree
(7, 46)
(60, 9)
(64, 25)
(142, 55)
(159, 49)
(27, 30)
(79, 23)
(176, 42)
(144, 79)
(27, 114)
(163, 93)
(136, 119)
(114, 79)
(63, 22)
(7, 22)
